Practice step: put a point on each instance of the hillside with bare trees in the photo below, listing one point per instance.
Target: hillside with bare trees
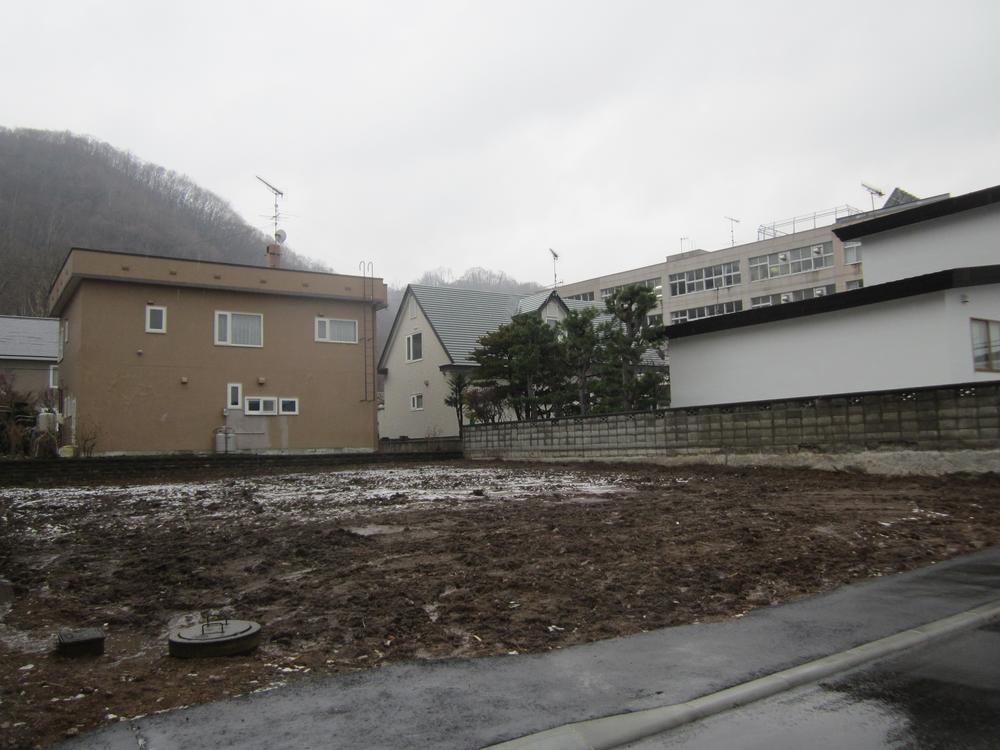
(59, 190)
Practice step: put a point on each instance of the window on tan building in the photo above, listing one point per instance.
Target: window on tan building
(262, 406)
(239, 329)
(337, 331)
(156, 319)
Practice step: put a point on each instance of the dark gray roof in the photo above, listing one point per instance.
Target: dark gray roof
(461, 316)
(29, 338)
(533, 302)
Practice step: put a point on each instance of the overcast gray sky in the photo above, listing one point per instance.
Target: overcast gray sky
(455, 134)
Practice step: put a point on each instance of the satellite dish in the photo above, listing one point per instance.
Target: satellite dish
(279, 236)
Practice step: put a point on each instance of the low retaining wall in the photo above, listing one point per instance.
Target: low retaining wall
(442, 445)
(965, 416)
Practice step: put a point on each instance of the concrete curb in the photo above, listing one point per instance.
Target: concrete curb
(615, 731)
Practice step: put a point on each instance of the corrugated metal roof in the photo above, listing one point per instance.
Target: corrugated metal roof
(29, 338)
(461, 316)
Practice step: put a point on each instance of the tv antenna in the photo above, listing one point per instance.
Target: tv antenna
(872, 191)
(555, 278)
(732, 229)
(682, 242)
(277, 214)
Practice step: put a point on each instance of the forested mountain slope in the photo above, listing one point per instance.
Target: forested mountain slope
(59, 190)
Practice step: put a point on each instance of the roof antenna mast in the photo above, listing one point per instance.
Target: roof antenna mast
(555, 278)
(872, 191)
(277, 194)
(732, 231)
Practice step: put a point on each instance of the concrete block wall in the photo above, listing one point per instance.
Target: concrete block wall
(965, 416)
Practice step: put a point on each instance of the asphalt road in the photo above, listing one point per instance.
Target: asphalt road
(944, 695)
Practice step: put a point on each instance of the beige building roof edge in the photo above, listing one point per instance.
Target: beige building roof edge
(108, 265)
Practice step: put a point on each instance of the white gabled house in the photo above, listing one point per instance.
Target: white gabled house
(928, 315)
(434, 333)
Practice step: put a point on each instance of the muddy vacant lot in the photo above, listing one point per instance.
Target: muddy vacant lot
(352, 569)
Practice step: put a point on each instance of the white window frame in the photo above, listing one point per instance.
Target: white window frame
(326, 325)
(991, 329)
(229, 328)
(409, 347)
(703, 279)
(855, 250)
(260, 411)
(416, 402)
(288, 412)
(232, 403)
(791, 262)
(162, 309)
(706, 311)
(54, 377)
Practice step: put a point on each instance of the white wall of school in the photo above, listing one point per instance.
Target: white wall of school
(906, 343)
(969, 238)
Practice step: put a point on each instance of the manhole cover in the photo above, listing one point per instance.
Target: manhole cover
(215, 638)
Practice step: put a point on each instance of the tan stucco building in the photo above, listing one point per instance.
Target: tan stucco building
(160, 355)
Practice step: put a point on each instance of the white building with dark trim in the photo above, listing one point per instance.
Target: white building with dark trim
(932, 318)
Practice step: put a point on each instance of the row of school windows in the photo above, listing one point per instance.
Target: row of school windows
(247, 329)
(762, 267)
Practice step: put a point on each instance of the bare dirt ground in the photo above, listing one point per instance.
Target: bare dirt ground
(357, 568)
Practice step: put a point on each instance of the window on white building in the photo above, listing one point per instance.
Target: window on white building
(707, 311)
(648, 283)
(337, 331)
(794, 295)
(414, 347)
(986, 345)
(417, 402)
(582, 297)
(852, 252)
(156, 319)
(239, 329)
(788, 262)
(709, 277)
